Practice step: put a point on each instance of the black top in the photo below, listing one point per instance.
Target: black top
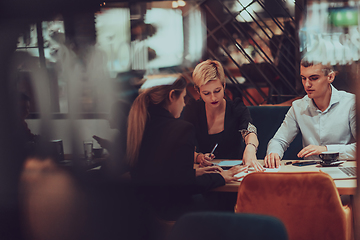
(237, 117)
(164, 171)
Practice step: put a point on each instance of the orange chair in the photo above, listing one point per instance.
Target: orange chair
(307, 203)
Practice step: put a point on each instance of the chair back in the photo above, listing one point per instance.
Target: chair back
(227, 226)
(267, 120)
(307, 203)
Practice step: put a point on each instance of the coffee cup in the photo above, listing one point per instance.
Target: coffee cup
(57, 150)
(329, 157)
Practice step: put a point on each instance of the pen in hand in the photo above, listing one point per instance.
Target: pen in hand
(212, 152)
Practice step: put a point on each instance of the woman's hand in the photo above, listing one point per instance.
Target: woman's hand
(229, 175)
(250, 158)
(204, 159)
(212, 169)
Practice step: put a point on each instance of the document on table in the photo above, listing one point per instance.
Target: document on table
(229, 163)
(251, 170)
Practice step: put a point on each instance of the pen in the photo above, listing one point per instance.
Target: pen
(214, 149)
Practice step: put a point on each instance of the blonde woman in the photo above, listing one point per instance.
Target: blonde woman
(160, 150)
(219, 121)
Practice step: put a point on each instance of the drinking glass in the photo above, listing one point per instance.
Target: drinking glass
(88, 149)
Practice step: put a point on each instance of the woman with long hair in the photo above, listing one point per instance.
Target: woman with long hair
(160, 150)
(220, 121)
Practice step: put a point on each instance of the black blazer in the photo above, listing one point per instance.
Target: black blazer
(237, 117)
(164, 171)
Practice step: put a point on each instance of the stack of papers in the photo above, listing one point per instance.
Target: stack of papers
(251, 170)
(231, 163)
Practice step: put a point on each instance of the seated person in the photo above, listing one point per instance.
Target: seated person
(160, 151)
(221, 121)
(325, 117)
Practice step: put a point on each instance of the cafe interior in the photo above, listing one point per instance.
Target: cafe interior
(70, 71)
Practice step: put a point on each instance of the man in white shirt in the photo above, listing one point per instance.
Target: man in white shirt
(325, 117)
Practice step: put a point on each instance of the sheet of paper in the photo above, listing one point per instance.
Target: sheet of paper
(229, 163)
(251, 170)
(272, 169)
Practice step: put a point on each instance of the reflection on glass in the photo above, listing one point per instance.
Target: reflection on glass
(89, 59)
(113, 37)
(168, 41)
(333, 39)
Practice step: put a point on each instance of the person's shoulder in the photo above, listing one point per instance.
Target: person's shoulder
(193, 103)
(174, 127)
(181, 125)
(180, 129)
(300, 106)
(301, 103)
(344, 99)
(237, 101)
(237, 104)
(346, 95)
(192, 109)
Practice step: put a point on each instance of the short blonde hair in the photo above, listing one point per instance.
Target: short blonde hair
(206, 71)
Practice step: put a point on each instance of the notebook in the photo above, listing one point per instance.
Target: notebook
(340, 172)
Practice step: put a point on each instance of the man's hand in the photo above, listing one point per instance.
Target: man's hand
(311, 150)
(272, 160)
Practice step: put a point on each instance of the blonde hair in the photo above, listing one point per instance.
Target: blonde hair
(207, 71)
(158, 95)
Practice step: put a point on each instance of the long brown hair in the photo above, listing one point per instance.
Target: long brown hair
(158, 95)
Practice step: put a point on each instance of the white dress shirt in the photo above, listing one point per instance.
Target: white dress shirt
(334, 128)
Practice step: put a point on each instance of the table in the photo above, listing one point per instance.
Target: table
(87, 165)
(344, 186)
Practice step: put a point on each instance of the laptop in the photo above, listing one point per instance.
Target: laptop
(340, 172)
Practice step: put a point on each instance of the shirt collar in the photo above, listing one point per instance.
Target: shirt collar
(335, 98)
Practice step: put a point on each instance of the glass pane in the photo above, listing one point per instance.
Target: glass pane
(54, 35)
(28, 39)
(113, 37)
(168, 40)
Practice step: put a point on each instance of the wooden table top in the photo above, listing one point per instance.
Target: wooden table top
(344, 186)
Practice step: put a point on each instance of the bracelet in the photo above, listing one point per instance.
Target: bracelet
(197, 157)
(256, 148)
